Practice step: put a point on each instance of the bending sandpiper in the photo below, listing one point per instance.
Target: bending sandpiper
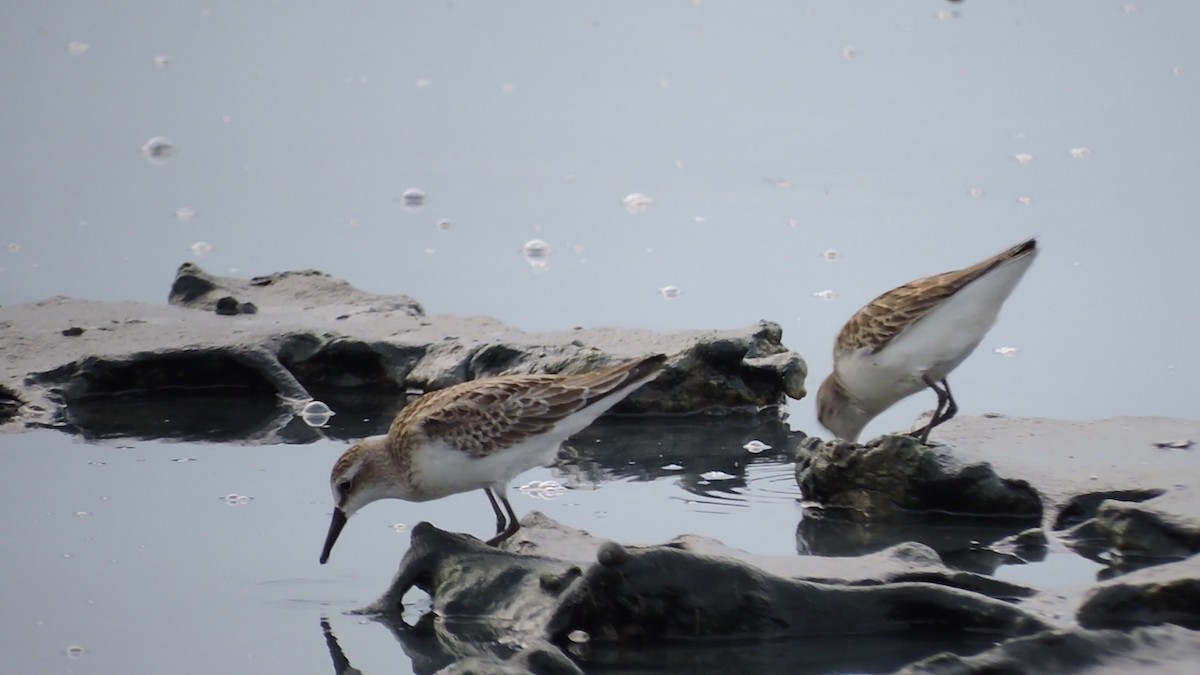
(911, 338)
(477, 435)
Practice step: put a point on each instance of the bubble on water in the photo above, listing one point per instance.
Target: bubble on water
(825, 295)
(158, 150)
(669, 292)
(637, 202)
(316, 408)
(13, 248)
(947, 15)
(717, 475)
(97, 463)
(226, 118)
(975, 193)
(756, 446)
(1080, 153)
(316, 414)
(184, 214)
(67, 555)
(1007, 352)
(578, 636)
(831, 255)
(543, 489)
(1025, 201)
(1023, 157)
(76, 48)
(201, 249)
(82, 514)
(537, 253)
(849, 52)
(672, 467)
(413, 198)
(162, 60)
(794, 222)
(236, 499)
(679, 164)
(74, 652)
(442, 225)
(399, 527)
(183, 460)
(423, 83)
(1177, 70)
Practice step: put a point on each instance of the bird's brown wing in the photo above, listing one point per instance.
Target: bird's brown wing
(885, 317)
(485, 415)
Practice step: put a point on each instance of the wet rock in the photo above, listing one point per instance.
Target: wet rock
(1166, 649)
(1167, 593)
(319, 337)
(667, 592)
(896, 475)
(73, 331)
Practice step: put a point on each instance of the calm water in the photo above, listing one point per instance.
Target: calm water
(909, 137)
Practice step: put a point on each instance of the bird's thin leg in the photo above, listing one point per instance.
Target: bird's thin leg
(513, 523)
(951, 407)
(945, 402)
(500, 522)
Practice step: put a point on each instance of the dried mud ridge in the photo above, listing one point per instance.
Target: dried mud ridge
(283, 339)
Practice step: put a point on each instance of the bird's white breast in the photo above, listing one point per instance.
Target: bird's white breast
(934, 345)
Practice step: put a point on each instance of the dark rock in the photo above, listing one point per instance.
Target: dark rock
(73, 331)
(227, 306)
(1141, 530)
(894, 475)
(666, 592)
(1164, 594)
(248, 308)
(1166, 649)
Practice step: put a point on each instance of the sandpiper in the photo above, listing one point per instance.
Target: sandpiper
(912, 337)
(477, 435)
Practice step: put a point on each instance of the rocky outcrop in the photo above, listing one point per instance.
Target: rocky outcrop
(312, 336)
(897, 475)
(1167, 593)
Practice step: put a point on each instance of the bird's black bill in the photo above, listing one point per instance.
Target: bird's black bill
(335, 528)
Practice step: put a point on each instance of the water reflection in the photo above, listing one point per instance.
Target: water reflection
(707, 456)
(962, 542)
(432, 644)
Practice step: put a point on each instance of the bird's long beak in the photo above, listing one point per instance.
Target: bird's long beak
(335, 528)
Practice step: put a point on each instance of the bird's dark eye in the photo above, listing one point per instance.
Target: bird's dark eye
(344, 486)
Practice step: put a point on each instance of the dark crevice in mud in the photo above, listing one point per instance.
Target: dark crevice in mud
(10, 403)
(346, 365)
(1083, 507)
(148, 375)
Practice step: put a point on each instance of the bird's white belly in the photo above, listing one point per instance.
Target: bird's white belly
(439, 470)
(933, 346)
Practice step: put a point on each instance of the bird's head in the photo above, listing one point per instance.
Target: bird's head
(838, 412)
(359, 477)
